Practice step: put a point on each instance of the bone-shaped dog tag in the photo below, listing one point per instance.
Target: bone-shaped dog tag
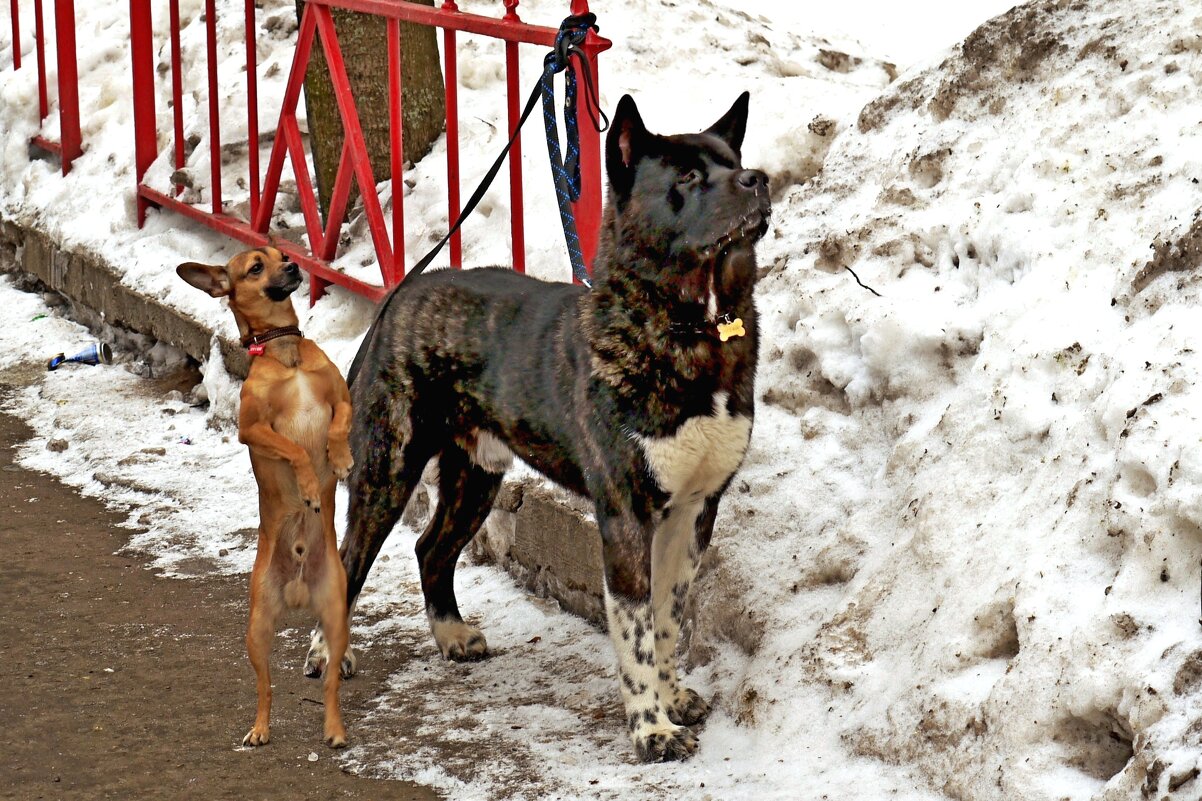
(256, 350)
(730, 329)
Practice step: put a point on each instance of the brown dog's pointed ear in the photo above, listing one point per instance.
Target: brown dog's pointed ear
(625, 145)
(208, 278)
(733, 125)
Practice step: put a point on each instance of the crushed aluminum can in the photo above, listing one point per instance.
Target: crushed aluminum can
(96, 353)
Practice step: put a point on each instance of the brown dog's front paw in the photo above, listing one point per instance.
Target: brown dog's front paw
(664, 743)
(310, 492)
(341, 461)
(690, 708)
(258, 735)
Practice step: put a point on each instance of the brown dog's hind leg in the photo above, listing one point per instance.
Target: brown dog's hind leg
(466, 492)
(260, 632)
(334, 624)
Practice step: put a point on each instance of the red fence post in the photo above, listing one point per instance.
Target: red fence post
(517, 228)
(451, 79)
(16, 19)
(177, 89)
(141, 40)
(252, 107)
(214, 106)
(281, 148)
(68, 84)
(395, 273)
(356, 157)
(39, 38)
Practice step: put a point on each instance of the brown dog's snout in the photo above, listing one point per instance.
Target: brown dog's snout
(291, 268)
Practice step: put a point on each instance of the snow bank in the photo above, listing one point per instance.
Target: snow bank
(984, 485)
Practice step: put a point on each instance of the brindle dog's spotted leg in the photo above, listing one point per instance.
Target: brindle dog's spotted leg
(676, 553)
(626, 547)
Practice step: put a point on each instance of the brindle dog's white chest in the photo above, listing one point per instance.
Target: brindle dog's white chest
(702, 455)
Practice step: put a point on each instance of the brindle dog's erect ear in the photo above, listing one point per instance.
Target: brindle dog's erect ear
(205, 277)
(733, 125)
(624, 145)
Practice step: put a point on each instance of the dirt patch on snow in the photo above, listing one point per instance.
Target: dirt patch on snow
(1177, 254)
(1009, 49)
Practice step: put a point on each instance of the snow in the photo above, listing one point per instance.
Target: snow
(962, 557)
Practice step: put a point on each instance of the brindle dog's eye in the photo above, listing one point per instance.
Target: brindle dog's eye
(690, 177)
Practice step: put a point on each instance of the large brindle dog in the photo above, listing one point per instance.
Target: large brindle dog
(638, 394)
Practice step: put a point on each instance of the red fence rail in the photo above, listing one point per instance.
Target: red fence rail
(354, 164)
(70, 143)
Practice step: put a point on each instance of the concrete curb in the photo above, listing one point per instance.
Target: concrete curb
(544, 537)
(92, 283)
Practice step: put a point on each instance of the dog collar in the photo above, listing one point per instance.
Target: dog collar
(255, 343)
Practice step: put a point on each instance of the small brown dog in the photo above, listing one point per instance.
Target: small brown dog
(294, 417)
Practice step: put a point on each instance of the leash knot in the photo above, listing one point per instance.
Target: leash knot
(572, 33)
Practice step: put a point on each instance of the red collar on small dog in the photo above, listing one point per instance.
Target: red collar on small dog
(254, 344)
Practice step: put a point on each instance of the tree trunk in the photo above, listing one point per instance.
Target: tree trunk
(364, 43)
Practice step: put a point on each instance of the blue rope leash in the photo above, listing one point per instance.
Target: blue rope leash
(565, 173)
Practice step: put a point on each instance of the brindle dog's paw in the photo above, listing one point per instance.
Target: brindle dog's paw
(664, 744)
(690, 709)
(349, 665)
(315, 660)
(458, 641)
(258, 735)
(314, 665)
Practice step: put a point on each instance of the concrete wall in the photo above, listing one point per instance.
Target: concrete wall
(89, 281)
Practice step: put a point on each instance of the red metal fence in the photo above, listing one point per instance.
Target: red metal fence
(354, 164)
(69, 144)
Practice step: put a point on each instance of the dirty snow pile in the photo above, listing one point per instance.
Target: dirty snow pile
(986, 485)
(962, 559)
